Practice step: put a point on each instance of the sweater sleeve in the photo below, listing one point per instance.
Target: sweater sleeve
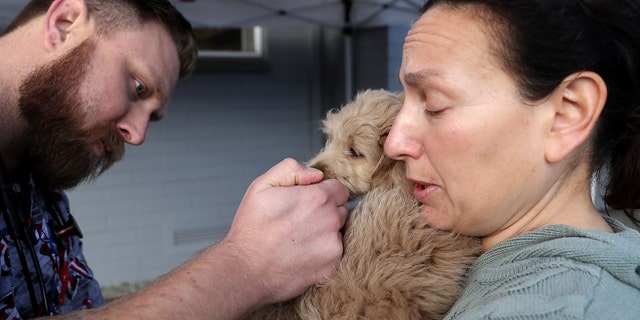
(547, 289)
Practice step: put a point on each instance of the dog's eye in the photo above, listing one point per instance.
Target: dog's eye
(354, 153)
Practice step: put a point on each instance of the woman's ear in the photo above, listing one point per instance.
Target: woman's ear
(578, 102)
(62, 20)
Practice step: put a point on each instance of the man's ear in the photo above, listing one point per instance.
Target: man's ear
(63, 18)
(578, 102)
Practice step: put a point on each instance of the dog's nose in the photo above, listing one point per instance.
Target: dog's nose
(318, 166)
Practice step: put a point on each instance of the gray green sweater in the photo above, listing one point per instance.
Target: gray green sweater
(556, 272)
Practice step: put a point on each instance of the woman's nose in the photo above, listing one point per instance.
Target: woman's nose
(402, 142)
(133, 127)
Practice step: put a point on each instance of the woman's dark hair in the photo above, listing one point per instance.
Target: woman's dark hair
(541, 42)
(113, 15)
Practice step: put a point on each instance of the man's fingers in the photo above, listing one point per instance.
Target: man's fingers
(290, 172)
(335, 187)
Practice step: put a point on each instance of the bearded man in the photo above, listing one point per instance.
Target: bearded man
(80, 78)
(51, 140)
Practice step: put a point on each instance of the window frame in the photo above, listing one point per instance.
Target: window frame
(257, 43)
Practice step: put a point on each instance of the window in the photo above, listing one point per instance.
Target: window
(229, 43)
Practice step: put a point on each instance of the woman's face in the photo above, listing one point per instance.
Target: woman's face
(473, 148)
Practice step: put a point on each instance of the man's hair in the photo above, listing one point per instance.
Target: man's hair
(114, 15)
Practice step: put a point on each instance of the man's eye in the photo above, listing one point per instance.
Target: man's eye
(140, 88)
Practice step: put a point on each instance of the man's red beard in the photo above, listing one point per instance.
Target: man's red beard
(61, 154)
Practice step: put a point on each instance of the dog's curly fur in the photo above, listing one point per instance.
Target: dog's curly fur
(394, 265)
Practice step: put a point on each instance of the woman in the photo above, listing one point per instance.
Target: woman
(510, 109)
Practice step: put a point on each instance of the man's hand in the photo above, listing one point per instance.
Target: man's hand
(287, 229)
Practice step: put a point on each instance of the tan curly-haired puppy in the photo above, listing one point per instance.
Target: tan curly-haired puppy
(394, 265)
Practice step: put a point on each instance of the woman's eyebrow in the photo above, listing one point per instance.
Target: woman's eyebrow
(415, 78)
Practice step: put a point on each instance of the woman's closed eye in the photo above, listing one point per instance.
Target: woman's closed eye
(434, 110)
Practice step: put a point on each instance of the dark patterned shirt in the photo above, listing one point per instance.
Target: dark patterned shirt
(67, 280)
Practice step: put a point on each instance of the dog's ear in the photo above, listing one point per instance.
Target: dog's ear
(385, 127)
(382, 139)
(382, 173)
(389, 172)
(391, 110)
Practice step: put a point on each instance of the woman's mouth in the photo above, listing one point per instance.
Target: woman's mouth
(422, 191)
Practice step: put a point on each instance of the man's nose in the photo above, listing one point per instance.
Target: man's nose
(133, 127)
